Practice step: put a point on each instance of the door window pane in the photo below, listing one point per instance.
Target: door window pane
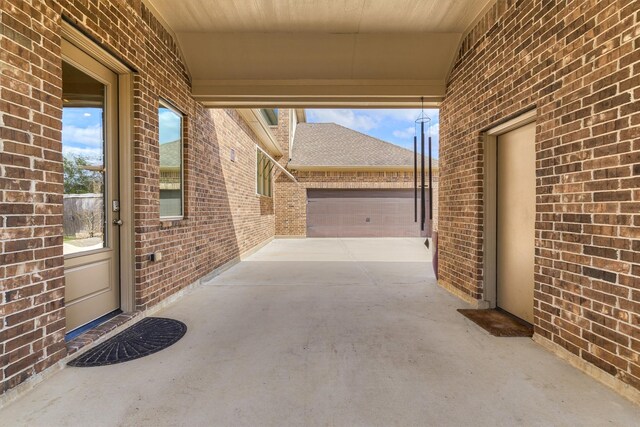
(83, 150)
(171, 188)
(263, 174)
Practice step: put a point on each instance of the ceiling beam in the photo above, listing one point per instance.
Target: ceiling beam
(318, 93)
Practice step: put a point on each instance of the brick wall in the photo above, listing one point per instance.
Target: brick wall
(291, 198)
(578, 64)
(252, 215)
(223, 217)
(31, 263)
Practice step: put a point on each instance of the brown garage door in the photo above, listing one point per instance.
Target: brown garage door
(361, 213)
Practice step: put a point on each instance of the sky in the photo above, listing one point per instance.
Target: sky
(82, 127)
(82, 133)
(392, 125)
(169, 125)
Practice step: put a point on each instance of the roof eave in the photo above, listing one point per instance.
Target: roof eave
(352, 168)
(261, 128)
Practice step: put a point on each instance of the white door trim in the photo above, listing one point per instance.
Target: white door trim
(490, 137)
(517, 122)
(125, 137)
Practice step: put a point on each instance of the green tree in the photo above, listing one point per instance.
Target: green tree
(79, 178)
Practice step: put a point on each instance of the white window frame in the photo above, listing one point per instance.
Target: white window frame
(166, 104)
(260, 152)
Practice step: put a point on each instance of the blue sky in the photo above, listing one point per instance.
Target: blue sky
(392, 125)
(169, 125)
(82, 127)
(82, 133)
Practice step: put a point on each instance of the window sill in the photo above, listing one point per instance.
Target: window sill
(169, 222)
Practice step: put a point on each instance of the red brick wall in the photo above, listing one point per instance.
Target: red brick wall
(31, 263)
(223, 217)
(578, 64)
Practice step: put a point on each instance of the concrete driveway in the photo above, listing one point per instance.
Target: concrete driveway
(343, 332)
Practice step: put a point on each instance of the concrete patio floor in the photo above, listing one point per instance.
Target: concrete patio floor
(339, 332)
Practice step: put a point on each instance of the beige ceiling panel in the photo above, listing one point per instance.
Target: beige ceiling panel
(313, 93)
(262, 16)
(332, 16)
(318, 52)
(449, 16)
(278, 56)
(268, 55)
(402, 56)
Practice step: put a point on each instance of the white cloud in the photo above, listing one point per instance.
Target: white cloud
(94, 155)
(410, 132)
(170, 124)
(347, 118)
(365, 120)
(394, 125)
(404, 133)
(409, 115)
(435, 130)
(90, 135)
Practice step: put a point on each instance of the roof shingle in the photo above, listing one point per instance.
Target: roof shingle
(329, 144)
(170, 156)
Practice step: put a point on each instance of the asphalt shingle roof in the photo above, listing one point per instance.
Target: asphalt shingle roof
(329, 144)
(170, 154)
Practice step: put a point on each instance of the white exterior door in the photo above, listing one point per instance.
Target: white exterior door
(90, 152)
(516, 214)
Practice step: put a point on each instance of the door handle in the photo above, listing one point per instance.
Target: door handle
(117, 222)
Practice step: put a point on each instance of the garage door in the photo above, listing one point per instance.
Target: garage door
(361, 213)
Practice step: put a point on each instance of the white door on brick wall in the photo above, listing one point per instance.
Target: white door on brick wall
(516, 213)
(90, 155)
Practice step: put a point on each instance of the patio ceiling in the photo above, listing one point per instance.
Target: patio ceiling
(318, 53)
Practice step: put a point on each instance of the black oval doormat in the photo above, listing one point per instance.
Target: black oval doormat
(146, 337)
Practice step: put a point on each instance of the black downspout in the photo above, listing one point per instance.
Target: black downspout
(415, 179)
(422, 201)
(430, 191)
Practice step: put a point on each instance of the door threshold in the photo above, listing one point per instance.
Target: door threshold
(84, 328)
(93, 331)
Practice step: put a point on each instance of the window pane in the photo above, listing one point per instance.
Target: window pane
(83, 153)
(268, 182)
(171, 188)
(270, 115)
(263, 174)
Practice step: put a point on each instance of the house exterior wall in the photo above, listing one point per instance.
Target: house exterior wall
(297, 201)
(223, 215)
(291, 198)
(253, 215)
(578, 64)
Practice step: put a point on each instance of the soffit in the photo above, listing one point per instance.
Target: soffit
(318, 53)
(326, 16)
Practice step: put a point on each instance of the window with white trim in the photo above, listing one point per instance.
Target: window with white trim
(170, 125)
(264, 167)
